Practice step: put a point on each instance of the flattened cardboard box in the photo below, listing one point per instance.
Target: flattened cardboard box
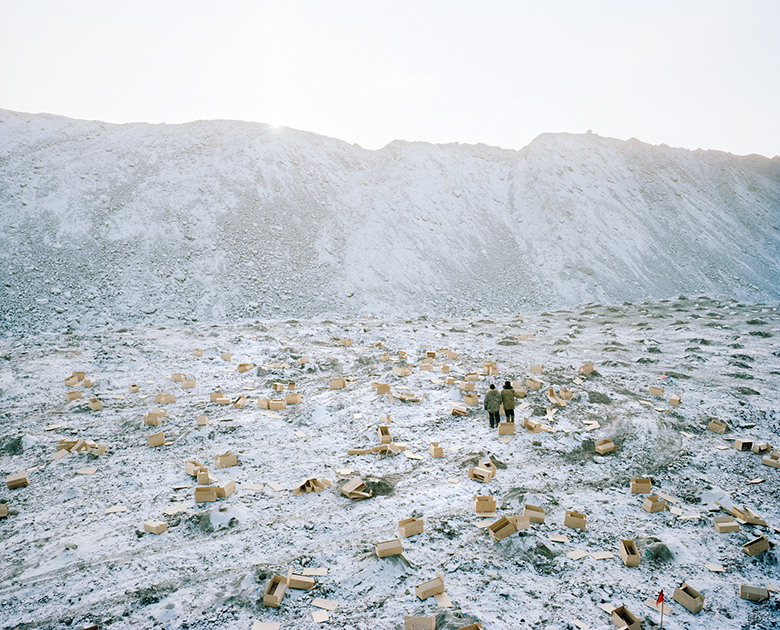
(389, 548)
(355, 488)
(689, 598)
(410, 527)
(629, 553)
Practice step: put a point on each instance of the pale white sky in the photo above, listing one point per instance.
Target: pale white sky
(688, 73)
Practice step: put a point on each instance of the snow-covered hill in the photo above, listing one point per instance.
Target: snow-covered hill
(216, 220)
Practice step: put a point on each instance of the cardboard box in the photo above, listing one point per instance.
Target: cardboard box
(761, 447)
(502, 528)
(312, 484)
(302, 360)
(471, 376)
(484, 505)
(435, 450)
(355, 489)
(575, 520)
(467, 386)
(450, 380)
(223, 492)
(188, 383)
(689, 598)
(164, 399)
(293, 398)
(197, 353)
(430, 588)
(156, 439)
(532, 426)
(753, 593)
(345, 342)
(655, 391)
(470, 399)
(724, 524)
(202, 421)
(384, 358)
(291, 385)
(192, 468)
(88, 382)
(586, 369)
(402, 371)
(277, 405)
(480, 474)
(622, 617)
(532, 383)
(226, 460)
(743, 445)
(152, 420)
(565, 394)
(430, 354)
(156, 527)
(178, 377)
(214, 396)
(223, 401)
(653, 504)
(203, 477)
(245, 367)
(640, 485)
(771, 460)
(389, 548)
(534, 513)
(426, 367)
(134, 389)
(3, 510)
(263, 403)
(506, 428)
(205, 494)
(71, 381)
(756, 546)
(382, 388)
(278, 387)
(383, 432)
(419, 623)
(604, 446)
(716, 427)
(274, 591)
(300, 582)
(445, 369)
(74, 395)
(225, 357)
(629, 553)
(17, 480)
(410, 527)
(337, 383)
(675, 400)
(94, 404)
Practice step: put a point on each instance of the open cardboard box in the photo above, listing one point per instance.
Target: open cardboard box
(502, 528)
(274, 591)
(506, 428)
(419, 623)
(641, 486)
(653, 504)
(388, 548)
(575, 520)
(484, 505)
(689, 598)
(534, 513)
(756, 546)
(629, 553)
(622, 617)
(435, 450)
(410, 527)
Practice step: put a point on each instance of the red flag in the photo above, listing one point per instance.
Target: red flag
(660, 598)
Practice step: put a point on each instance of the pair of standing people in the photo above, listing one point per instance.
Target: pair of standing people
(493, 401)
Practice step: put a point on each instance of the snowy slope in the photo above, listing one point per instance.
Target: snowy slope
(221, 219)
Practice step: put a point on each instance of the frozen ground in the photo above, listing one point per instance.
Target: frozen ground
(67, 564)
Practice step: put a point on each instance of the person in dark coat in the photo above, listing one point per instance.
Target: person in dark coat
(508, 395)
(493, 405)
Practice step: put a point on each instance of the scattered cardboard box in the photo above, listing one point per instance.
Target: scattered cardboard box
(586, 369)
(164, 399)
(689, 598)
(197, 352)
(753, 593)
(480, 474)
(156, 439)
(300, 582)
(471, 399)
(675, 400)
(471, 376)
(536, 369)
(419, 623)
(244, 367)
(655, 391)
(74, 395)
(604, 446)
(205, 494)
(532, 426)
(263, 403)
(94, 404)
(225, 460)
(152, 419)
(178, 377)
(506, 428)
(134, 389)
(223, 492)
(410, 527)
(653, 504)
(155, 527)
(467, 386)
(188, 383)
(566, 394)
(716, 427)
(215, 396)
(203, 477)
(761, 447)
(532, 383)
(192, 468)
(629, 553)
(756, 546)
(202, 421)
(311, 485)
(725, 524)
(575, 520)
(274, 591)
(503, 527)
(622, 617)
(484, 506)
(17, 480)
(534, 513)
(225, 357)
(337, 383)
(389, 548)
(71, 381)
(90, 470)
(355, 488)
(772, 460)
(383, 432)
(277, 405)
(743, 445)
(345, 342)
(430, 588)
(435, 450)
(640, 485)
(293, 398)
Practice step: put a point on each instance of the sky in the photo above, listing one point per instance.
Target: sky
(686, 73)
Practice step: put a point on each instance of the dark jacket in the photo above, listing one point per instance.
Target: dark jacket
(493, 400)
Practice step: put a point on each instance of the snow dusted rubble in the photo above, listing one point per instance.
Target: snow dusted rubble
(75, 549)
(103, 225)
